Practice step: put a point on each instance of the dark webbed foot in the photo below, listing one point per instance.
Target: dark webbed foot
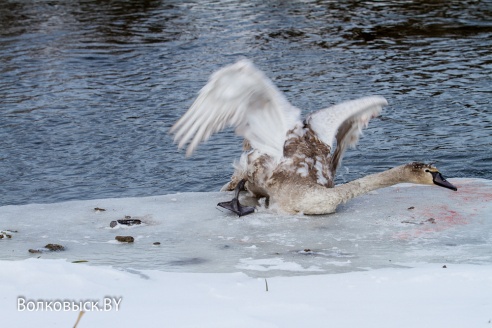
(236, 207)
(234, 204)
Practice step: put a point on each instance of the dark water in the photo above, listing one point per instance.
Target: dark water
(89, 89)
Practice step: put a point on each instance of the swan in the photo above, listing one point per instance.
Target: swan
(291, 162)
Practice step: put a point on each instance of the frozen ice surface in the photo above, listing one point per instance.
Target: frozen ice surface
(387, 231)
(392, 227)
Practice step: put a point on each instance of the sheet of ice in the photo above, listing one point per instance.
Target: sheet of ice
(411, 256)
(425, 296)
(387, 228)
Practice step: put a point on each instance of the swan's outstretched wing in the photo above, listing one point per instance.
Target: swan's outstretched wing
(344, 122)
(241, 96)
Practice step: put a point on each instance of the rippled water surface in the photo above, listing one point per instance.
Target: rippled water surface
(89, 89)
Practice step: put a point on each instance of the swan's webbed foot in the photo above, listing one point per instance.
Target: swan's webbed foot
(234, 204)
(236, 207)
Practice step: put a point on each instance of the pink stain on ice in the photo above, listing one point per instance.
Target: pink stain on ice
(435, 219)
(472, 194)
(470, 198)
(445, 217)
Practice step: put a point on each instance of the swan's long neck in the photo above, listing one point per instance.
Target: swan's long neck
(370, 182)
(316, 199)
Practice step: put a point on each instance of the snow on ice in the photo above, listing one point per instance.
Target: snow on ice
(406, 256)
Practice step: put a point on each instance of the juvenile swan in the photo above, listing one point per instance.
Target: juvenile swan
(287, 160)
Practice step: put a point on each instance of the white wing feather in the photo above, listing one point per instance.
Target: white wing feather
(344, 123)
(326, 122)
(241, 96)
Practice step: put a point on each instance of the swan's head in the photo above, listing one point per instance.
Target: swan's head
(427, 174)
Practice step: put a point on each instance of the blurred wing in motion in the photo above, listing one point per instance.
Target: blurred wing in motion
(344, 122)
(241, 96)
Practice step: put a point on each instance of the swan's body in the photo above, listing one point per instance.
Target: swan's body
(292, 162)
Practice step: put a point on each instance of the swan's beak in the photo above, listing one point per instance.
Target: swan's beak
(440, 181)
